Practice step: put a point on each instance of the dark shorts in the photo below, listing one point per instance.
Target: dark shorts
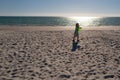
(76, 34)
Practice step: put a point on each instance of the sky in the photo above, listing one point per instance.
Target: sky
(59, 7)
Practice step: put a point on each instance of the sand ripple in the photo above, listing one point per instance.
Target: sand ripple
(47, 55)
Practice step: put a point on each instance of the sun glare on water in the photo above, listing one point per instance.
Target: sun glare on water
(83, 20)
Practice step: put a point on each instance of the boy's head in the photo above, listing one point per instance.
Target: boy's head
(77, 24)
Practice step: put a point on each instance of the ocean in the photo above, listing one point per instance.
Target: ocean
(59, 21)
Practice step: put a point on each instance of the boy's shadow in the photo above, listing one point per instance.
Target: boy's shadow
(75, 46)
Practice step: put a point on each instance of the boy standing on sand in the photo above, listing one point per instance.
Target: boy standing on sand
(76, 33)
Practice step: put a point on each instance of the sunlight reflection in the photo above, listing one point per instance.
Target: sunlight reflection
(84, 21)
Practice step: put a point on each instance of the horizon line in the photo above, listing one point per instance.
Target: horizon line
(49, 16)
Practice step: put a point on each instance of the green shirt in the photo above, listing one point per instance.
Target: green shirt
(77, 29)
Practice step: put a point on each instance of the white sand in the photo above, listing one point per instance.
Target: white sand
(37, 54)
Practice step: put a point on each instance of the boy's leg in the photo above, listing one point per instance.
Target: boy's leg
(74, 39)
(77, 38)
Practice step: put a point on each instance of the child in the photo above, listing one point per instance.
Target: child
(76, 33)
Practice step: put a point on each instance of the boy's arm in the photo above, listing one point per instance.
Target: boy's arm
(80, 28)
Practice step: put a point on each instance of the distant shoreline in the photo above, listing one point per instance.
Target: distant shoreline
(55, 28)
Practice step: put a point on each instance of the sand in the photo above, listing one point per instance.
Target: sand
(27, 54)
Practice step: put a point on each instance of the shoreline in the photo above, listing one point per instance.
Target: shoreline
(56, 28)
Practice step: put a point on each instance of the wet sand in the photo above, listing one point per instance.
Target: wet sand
(35, 54)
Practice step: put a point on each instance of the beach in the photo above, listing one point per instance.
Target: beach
(46, 54)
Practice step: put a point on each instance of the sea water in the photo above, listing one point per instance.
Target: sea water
(58, 21)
